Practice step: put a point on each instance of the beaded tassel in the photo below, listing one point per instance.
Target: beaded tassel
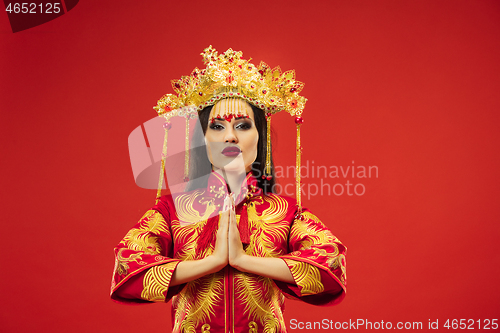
(166, 126)
(208, 235)
(186, 156)
(243, 225)
(298, 122)
(268, 152)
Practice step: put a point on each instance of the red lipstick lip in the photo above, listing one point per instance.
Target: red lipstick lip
(231, 151)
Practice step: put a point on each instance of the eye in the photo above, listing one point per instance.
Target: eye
(244, 125)
(216, 127)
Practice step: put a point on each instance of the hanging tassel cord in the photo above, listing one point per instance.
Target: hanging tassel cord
(186, 148)
(268, 146)
(297, 169)
(166, 126)
(243, 225)
(208, 235)
(298, 122)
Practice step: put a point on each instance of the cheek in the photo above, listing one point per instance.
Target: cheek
(255, 143)
(208, 147)
(252, 143)
(209, 153)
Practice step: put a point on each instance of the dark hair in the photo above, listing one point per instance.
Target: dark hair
(200, 166)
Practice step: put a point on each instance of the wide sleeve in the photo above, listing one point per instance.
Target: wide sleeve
(316, 261)
(144, 262)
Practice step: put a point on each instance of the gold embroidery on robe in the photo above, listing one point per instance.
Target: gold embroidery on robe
(187, 236)
(260, 301)
(252, 327)
(145, 238)
(156, 282)
(121, 262)
(195, 303)
(266, 227)
(313, 233)
(185, 210)
(306, 276)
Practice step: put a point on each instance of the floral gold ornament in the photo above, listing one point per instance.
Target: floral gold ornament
(228, 75)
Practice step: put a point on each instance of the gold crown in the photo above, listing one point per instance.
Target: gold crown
(229, 76)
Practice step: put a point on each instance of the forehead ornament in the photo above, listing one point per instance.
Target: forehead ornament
(228, 109)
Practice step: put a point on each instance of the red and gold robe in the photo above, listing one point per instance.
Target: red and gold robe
(229, 300)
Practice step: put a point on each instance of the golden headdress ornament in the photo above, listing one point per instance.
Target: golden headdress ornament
(228, 75)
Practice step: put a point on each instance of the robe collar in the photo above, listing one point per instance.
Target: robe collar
(217, 187)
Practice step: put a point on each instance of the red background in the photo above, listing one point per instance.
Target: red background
(409, 86)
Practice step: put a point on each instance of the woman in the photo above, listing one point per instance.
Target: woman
(228, 251)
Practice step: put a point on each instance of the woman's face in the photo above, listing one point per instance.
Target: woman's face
(231, 136)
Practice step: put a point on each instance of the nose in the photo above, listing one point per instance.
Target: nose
(230, 136)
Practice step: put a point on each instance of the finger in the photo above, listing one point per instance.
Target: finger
(223, 220)
(227, 203)
(232, 200)
(232, 216)
(224, 205)
(228, 219)
(233, 225)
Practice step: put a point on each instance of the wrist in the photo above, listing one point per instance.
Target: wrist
(215, 263)
(241, 263)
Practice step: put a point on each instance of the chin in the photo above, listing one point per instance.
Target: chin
(235, 164)
(234, 168)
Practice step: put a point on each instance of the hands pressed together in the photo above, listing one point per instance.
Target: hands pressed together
(229, 250)
(228, 246)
